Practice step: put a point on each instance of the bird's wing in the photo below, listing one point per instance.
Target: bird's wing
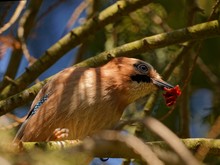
(33, 110)
(42, 117)
(37, 105)
(19, 134)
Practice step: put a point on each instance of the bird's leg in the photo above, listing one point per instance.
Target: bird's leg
(59, 134)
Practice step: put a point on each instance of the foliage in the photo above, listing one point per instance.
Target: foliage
(179, 38)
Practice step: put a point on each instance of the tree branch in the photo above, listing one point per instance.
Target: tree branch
(16, 56)
(14, 17)
(21, 98)
(118, 149)
(71, 40)
(196, 32)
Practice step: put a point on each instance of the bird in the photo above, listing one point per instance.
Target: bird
(78, 102)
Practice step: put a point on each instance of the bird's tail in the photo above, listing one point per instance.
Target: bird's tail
(19, 134)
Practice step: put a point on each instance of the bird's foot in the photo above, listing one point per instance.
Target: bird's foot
(60, 134)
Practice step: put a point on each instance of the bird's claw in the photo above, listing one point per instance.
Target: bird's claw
(60, 134)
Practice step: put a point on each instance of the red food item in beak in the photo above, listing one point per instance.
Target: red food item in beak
(171, 95)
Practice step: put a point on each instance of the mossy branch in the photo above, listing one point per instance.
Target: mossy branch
(117, 149)
(71, 40)
(196, 32)
(16, 55)
(21, 98)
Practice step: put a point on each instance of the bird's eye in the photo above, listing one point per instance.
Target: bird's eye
(142, 68)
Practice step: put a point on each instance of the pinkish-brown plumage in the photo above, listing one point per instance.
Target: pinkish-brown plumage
(87, 100)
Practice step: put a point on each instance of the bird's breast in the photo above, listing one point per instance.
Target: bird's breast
(89, 104)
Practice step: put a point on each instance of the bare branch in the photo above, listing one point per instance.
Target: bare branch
(99, 147)
(171, 139)
(21, 98)
(16, 55)
(132, 142)
(199, 31)
(21, 37)
(14, 17)
(204, 148)
(49, 9)
(82, 6)
(72, 39)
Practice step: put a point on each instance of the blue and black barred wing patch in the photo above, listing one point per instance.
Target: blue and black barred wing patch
(37, 106)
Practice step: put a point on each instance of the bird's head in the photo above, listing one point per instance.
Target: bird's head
(135, 77)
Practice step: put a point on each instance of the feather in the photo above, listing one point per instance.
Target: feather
(86, 100)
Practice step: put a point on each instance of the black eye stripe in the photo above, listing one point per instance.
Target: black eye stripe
(140, 78)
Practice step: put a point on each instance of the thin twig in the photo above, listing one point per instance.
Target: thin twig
(17, 122)
(10, 80)
(166, 74)
(172, 140)
(49, 9)
(75, 15)
(164, 133)
(99, 147)
(185, 83)
(207, 72)
(17, 54)
(21, 30)
(14, 17)
(128, 49)
(92, 6)
(7, 7)
(15, 118)
(138, 146)
(213, 133)
(72, 39)
(193, 65)
(21, 98)
(214, 8)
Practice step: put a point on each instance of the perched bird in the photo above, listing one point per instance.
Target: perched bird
(80, 101)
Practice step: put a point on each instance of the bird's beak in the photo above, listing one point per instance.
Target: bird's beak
(161, 84)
